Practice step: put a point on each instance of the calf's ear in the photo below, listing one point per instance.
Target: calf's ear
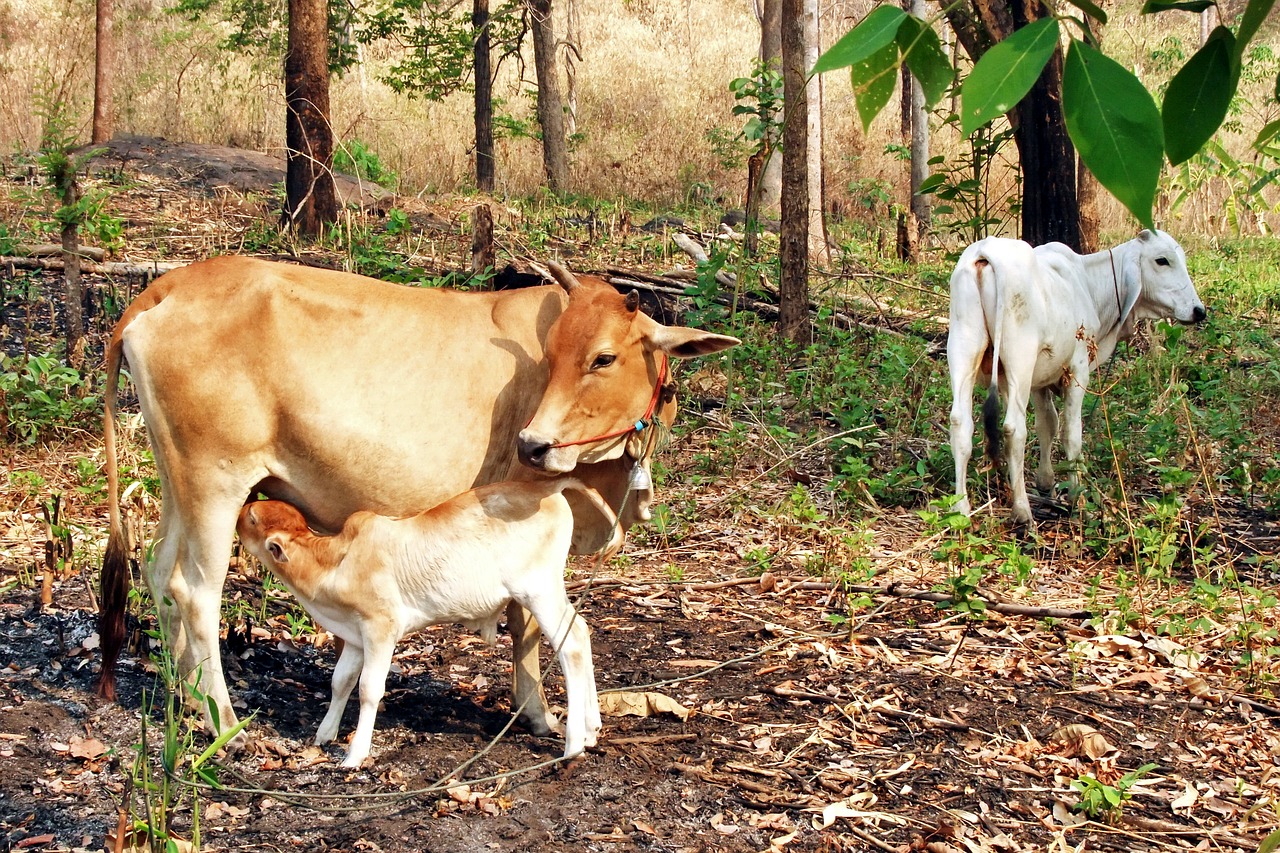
(1145, 234)
(275, 547)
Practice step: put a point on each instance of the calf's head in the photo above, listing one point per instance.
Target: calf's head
(1167, 291)
(607, 362)
(268, 530)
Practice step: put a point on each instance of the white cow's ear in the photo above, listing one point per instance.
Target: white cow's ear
(1145, 234)
(275, 547)
(682, 342)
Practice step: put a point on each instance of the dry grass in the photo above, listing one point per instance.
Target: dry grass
(651, 84)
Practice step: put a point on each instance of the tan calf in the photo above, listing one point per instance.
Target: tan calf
(463, 561)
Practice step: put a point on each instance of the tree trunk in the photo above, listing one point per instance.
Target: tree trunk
(555, 157)
(793, 290)
(919, 146)
(310, 199)
(771, 53)
(485, 171)
(1050, 209)
(103, 73)
(818, 245)
(73, 292)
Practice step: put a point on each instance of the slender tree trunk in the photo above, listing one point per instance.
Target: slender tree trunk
(793, 302)
(73, 290)
(310, 197)
(1050, 209)
(555, 157)
(908, 232)
(920, 208)
(485, 171)
(771, 54)
(104, 73)
(818, 245)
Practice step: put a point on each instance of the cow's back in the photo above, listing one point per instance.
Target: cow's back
(348, 393)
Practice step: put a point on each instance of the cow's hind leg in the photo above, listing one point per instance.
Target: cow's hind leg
(1015, 438)
(964, 364)
(201, 551)
(1046, 432)
(527, 696)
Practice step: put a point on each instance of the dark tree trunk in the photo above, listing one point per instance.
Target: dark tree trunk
(310, 198)
(555, 157)
(1050, 208)
(793, 290)
(484, 98)
(482, 251)
(103, 73)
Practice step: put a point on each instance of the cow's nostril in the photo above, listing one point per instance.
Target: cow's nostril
(1198, 314)
(533, 451)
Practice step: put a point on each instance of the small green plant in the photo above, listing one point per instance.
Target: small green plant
(42, 398)
(759, 560)
(1101, 801)
(356, 158)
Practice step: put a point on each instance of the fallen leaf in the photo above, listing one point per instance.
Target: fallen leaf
(1186, 801)
(86, 748)
(34, 841)
(1080, 739)
(646, 704)
(719, 824)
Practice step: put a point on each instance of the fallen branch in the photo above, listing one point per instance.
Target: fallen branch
(152, 268)
(54, 250)
(929, 595)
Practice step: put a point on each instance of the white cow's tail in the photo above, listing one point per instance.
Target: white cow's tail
(991, 408)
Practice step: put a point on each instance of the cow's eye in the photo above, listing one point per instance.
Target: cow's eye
(603, 360)
(1162, 262)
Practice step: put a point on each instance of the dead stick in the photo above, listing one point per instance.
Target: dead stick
(109, 268)
(650, 739)
(929, 595)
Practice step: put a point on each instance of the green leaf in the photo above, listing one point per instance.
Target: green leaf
(1006, 73)
(873, 81)
(1115, 125)
(1198, 96)
(1271, 843)
(923, 53)
(1153, 6)
(1267, 134)
(1091, 9)
(1254, 14)
(870, 36)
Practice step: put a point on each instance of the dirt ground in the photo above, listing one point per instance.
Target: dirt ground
(905, 728)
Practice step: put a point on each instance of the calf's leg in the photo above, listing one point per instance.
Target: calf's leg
(1015, 437)
(379, 646)
(527, 696)
(1072, 414)
(570, 637)
(345, 674)
(964, 365)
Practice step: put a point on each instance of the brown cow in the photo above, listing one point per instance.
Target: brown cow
(338, 393)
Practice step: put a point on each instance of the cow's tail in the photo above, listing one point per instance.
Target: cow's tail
(113, 595)
(991, 408)
(615, 538)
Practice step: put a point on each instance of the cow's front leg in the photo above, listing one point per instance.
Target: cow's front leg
(1046, 432)
(1072, 415)
(527, 696)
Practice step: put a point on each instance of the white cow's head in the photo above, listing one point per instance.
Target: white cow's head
(1167, 291)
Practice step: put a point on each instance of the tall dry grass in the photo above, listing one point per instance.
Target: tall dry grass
(651, 83)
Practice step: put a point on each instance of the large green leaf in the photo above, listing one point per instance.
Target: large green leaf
(1006, 73)
(873, 80)
(1198, 96)
(1254, 14)
(1115, 125)
(923, 53)
(870, 36)
(1153, 6)
(1091, 9)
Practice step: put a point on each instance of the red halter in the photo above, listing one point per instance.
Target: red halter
(645, 420)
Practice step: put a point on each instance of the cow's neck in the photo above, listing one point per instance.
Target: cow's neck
(1109, 283)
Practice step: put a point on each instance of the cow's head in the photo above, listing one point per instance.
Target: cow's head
(1166, 289)
(606, 362)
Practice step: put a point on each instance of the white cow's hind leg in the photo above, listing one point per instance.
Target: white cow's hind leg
(1015, 439)
(964, 371)
(1046, 432)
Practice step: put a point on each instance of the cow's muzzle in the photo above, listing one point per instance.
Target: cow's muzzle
(533, 450)
(1198, 314)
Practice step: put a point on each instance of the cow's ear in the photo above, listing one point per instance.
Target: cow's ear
(275, 547)
(1145, 234)
(633, 301)
(681, 342)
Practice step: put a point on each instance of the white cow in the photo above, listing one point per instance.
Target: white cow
(1037, 321)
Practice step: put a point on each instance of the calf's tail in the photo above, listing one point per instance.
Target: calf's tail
(991, 408)
(113, 597)
(991, 422)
